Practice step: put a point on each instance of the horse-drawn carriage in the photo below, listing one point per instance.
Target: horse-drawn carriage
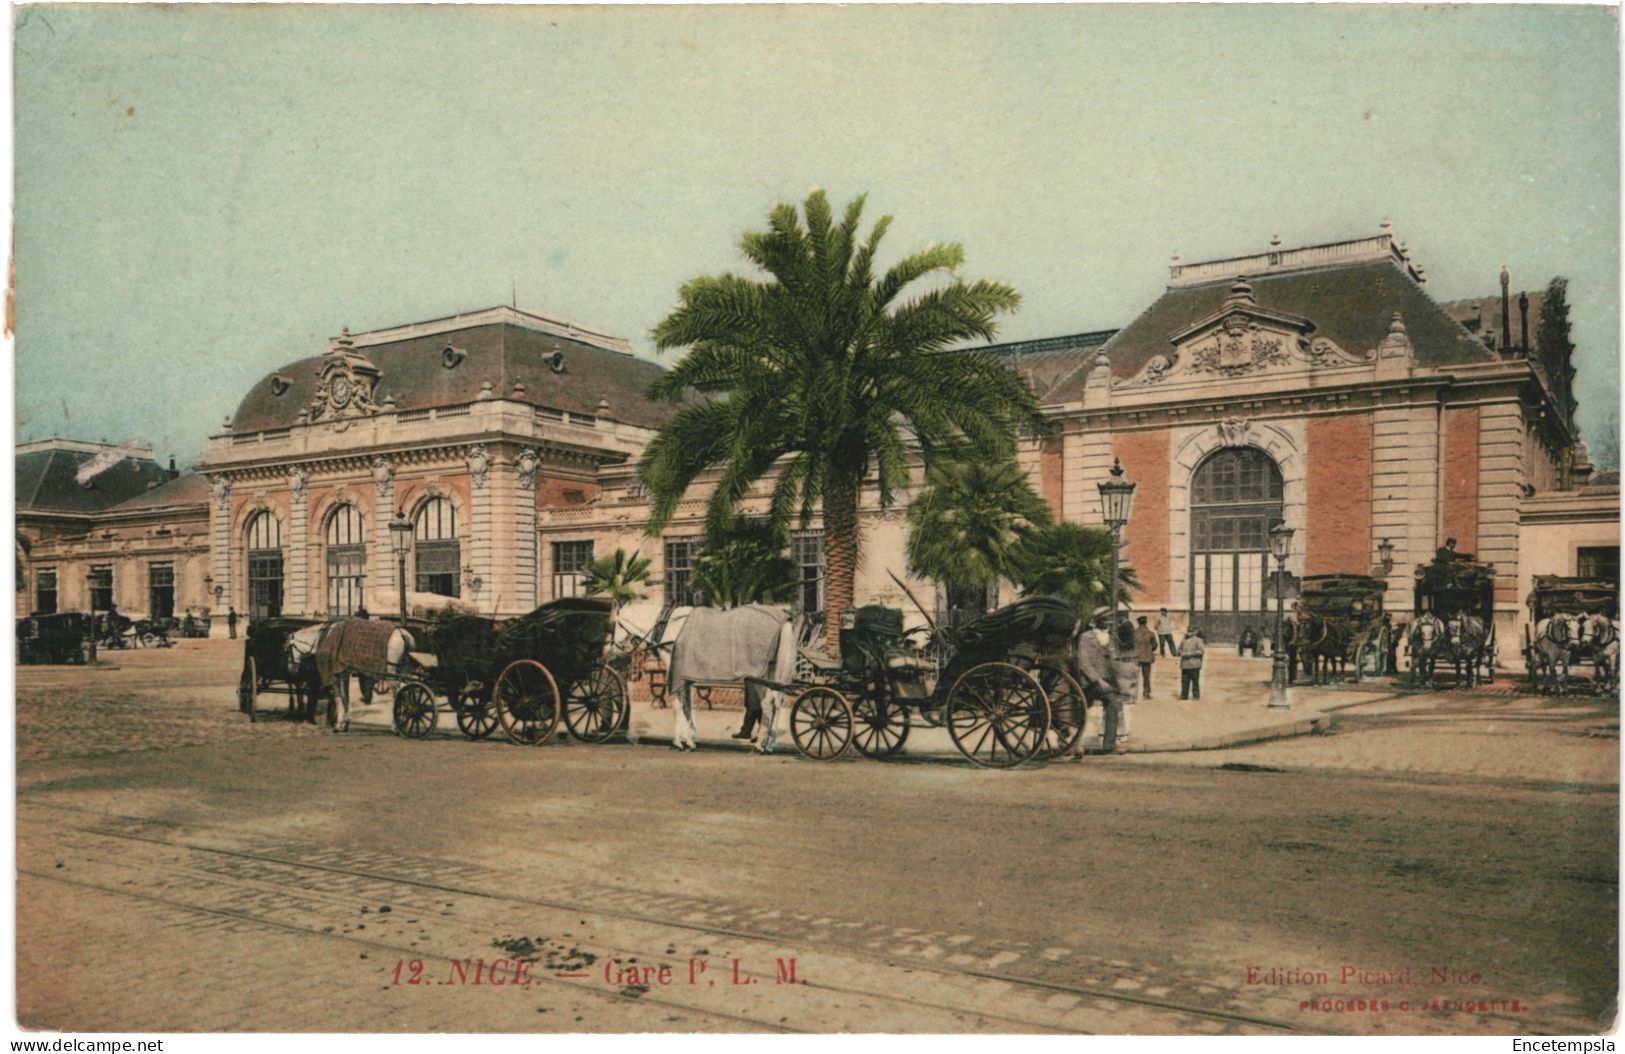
(1003, 693)
(63, 637)
(523, 675)
(1454, 620)
(1341, 621)
(270, 669)
(1572, 621)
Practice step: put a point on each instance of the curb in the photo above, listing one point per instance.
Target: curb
(1307, 726)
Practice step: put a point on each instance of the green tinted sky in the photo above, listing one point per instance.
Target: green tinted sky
(204, 193)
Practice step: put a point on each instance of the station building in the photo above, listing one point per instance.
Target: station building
(1320, 386)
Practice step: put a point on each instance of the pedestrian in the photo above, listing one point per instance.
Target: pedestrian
(231, 622)
(1249, 640)
(1100, 677)
(1190, 665)
(1289, 635)
(1145, 653)
(1123, 663)
(1165, 632)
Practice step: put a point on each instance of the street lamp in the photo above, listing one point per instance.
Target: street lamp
(400, 540)
(1280, 548)
(1385, 555)
(1116, 502)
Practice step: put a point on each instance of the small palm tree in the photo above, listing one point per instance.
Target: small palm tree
(745, 565)
(618, 576)
(1074, 562)
(815, 374)
(967, 526)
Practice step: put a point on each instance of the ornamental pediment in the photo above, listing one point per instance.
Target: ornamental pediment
(1242, 339)
(345, 386)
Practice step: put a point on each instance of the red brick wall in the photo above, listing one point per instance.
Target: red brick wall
(1049, 475)
(1339, 495)
(550, 492)
(1459, 516)
(1145, 462)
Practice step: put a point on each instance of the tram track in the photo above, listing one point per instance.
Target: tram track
(1035, 989)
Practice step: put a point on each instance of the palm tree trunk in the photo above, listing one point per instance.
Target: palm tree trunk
(840, 559)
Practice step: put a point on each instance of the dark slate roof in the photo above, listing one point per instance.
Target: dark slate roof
(1049, 361)
(500, 352)
(1483, 314)
(1352, 305)
(189, 489)
(46, 481)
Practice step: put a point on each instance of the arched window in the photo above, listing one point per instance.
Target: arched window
(264, 561)
(1235, 500)
(346, 561)
(436, 549)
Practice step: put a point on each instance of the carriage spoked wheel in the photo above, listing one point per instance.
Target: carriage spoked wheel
(998, 715)
(1068, 710)
(880, 726)
(476, 714)
(248, 690)
(821, 723)
(415, 710)
(595, 706)
(527, 702)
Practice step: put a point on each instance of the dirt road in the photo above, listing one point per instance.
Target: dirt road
(174, 858)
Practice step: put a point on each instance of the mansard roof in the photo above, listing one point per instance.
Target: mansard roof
(1352, 304)
(562, 367)
(48, 477)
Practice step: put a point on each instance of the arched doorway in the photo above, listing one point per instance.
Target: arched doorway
(346, 562)
(1235, 500)
(264, 563)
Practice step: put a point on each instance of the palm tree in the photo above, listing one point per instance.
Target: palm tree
(815, 373)
(745, 565)
(618, 576)
(1074, 562)
(967, 526)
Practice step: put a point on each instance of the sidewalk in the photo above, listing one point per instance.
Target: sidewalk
(1231, 712)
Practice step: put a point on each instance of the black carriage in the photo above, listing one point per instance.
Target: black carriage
(266, 670)
(1003, 692)
(1341, 620)
(63, 637)
(1454, 585)
(524, 675)
(1588, 598)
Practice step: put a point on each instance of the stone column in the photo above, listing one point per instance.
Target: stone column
(526, 580)
(478, 564)
(298, 544)
(383, 595)
(220, 597)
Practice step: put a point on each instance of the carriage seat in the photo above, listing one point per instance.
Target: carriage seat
(910, 663)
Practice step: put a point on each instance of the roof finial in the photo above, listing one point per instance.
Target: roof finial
(1275, 240)
(1387, 227)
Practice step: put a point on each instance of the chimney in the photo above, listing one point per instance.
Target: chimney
(1523, 319)
(172, 473)
(1506, 313)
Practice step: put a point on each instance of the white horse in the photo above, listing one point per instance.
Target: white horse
(757, 641)
(1554, 642)
(303, 647)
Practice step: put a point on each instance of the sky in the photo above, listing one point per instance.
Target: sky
(204, 194)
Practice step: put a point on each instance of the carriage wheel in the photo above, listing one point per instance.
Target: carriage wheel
(821, 723)
(1363, 654)
(248, 689)
(879, 727)
(415, 711)
(595, 706)
(476, 714)
(1068, 711)
(998, 715)
(527, 702)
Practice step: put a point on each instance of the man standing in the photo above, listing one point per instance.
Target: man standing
(1145, 653)
(231, 622)
(1289, 638)
(1165, 632)
(1092, 664)
(1190, 665)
